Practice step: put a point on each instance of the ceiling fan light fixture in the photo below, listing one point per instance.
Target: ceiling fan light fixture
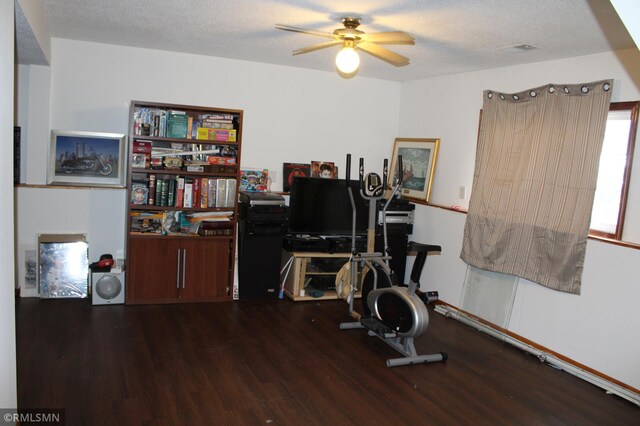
(347, 59)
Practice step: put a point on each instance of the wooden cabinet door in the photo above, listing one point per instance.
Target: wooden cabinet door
(152, 270)
(207, 269)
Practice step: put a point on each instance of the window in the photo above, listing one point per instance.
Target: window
(609, 205)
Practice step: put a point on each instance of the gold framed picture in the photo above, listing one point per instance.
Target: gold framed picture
(419, 158)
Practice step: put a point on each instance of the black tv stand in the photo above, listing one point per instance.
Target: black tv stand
(342, 244)
(297, 242)
(323, 244)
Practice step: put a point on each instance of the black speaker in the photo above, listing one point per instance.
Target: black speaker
(259, 252)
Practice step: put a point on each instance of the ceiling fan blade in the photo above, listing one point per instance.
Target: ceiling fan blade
(384, 54)
(391, 37)
(303, 31)
(317, 47)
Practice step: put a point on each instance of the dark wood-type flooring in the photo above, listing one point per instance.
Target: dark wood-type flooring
(279, 362)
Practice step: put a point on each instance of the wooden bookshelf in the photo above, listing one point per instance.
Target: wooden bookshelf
(183, 180)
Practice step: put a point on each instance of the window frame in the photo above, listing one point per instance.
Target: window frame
(634, 108)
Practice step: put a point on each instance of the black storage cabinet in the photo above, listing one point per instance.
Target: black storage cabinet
(262, 220)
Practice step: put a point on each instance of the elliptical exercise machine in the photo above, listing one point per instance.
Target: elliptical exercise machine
(393, 313)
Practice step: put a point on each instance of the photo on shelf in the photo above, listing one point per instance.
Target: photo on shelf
(291, 170)
(323, 169)
(419, 158)
(254, 180)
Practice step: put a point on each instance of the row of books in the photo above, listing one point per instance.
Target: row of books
(182, 223)
(170, 123)
(183, 191)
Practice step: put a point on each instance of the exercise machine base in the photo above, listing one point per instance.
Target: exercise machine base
(404, 345)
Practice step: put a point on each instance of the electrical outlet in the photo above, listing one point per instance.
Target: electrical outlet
(463, 192)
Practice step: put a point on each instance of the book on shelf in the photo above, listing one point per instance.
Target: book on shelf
(156, 125)
(217, 124)
(164, 194)
(179, 191)
(164, 191)
(189, 127)
(149, 122)
(158, 195)
(212, 227)
(221, 193)
(204, 193)
(215, 232)
(139, 192)
(217, 117)
(151, 198)
(219, 135)
(217, 121)
(211, 222)
(171, 193)
(231, 192)
(177, 124)
(211, 192)
(195, 195)
(185, 223)
(188, 193)
(162, 131)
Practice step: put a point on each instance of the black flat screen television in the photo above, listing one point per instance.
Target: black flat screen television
(320, 206)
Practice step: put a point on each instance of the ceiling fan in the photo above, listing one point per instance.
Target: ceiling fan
(351, 38)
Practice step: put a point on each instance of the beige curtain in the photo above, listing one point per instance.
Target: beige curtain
(534, 182)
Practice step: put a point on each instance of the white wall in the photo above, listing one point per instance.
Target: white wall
(301, 115)
(8, 389)
(597, 328)
(290, 115)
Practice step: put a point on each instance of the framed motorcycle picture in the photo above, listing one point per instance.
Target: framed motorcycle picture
(87, 159)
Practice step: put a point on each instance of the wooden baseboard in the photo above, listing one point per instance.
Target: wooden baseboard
(541, 348)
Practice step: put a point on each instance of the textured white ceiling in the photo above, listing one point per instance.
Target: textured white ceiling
(452, 36)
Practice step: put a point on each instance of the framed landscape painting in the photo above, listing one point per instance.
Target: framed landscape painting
(418, 166)
(86, 159)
